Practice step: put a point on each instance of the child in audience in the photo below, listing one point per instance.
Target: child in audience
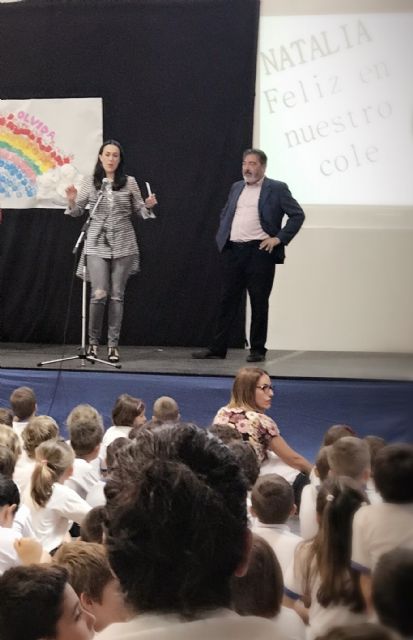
(13, 549)
(53, 505)
(308, 513)
(272, 503)
(375, 444)
(127, 413)
(96, 495)
(6, 417)
(321, 574)
(93, 525)
(37, 602)
(7, 461)
(350, 456)
(38, 430)
(93, 581)
(247, 460)
(24, 406)
(381, 527)
(85, 427)
(392, 590)
(336, 432)
(165, 409)
(225, 433)
(10, 439)
(260, 591)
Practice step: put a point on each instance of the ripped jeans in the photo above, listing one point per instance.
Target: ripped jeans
(108, 278)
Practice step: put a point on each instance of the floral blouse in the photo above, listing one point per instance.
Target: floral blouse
(255, 428)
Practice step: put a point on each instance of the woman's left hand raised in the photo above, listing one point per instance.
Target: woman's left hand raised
(151, 201)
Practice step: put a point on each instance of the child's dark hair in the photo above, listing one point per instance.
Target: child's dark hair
(247, 460)
(260, 591)
(272, 499)
(393, 473)
(336, 432)
(392, 583)
(93, 525)
(9, 493)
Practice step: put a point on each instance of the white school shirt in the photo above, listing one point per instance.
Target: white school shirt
(378, 528)
(281, 540)
(321, 619)
(308, 512)
(22, 522)
(220, 624)
(23, 471)
(110, 435)
(289, 624)
(96, 496)
(19, 427)
(274, 464)
(83, 478)
(52, 522)
(8, 555)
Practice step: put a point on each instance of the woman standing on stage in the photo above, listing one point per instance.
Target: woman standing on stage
(111, 246)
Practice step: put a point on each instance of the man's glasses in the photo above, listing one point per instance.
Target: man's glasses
(265, 387)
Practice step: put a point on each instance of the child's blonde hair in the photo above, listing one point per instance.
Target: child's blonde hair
(165, 409)
(53, 458)
(38, 430)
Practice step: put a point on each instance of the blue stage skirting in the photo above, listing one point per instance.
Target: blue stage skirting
(303, 409)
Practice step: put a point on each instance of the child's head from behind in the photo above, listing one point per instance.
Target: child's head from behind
(272, 499)
(350, 456)
(336, 432)
(322, 466)
(38, 430)
(93, 525)
(393, 473)
(54, 463)
(9, 501)
(23, 403)
(392, 582)
(259, 592)
(165, 409)
(85, 427)
(93, 581)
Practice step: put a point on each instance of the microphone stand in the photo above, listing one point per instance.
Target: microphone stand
(82, 355)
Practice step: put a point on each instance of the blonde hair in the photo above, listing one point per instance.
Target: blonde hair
(349, 456)
(10, 439)
(38, 429)
(53, 458)
(87, 565)
(85, 426)
(165, 409)
(244, 388)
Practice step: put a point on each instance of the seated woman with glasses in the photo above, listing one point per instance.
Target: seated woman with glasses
(251, 396)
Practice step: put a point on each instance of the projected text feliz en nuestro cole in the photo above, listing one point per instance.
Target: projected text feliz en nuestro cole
(316, 46)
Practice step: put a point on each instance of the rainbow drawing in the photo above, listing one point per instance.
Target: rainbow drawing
(27, 151)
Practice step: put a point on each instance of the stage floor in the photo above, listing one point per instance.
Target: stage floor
(177, 360)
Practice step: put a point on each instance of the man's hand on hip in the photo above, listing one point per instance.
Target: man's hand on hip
(269, 244)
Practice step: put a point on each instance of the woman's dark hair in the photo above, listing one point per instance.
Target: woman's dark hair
(260, 591)
(31, 602)
(99, 172)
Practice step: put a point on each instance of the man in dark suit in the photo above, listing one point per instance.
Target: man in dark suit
(251, 240)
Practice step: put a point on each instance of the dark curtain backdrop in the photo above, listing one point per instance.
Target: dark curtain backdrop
(177, 79)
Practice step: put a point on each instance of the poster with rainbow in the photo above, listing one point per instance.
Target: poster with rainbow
(45, 145)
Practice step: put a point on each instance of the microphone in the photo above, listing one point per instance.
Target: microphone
(105, 184)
